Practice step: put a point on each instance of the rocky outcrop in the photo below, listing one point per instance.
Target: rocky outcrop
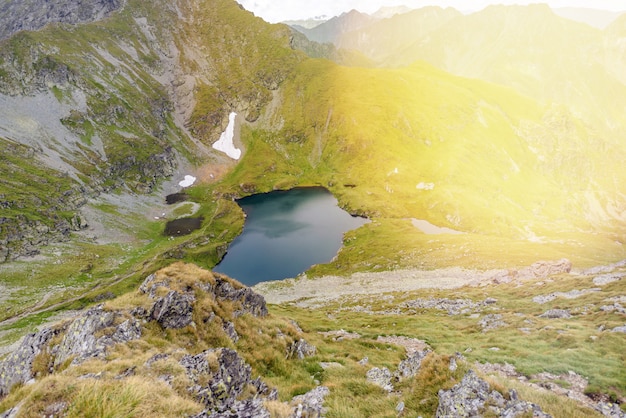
(92, 333)
(491, 322)
(556, 314)
(310, 404)
(248, 300)
(173, 310)
(380, 377)
(87, 336)
(300, 349)
(543, 269)
(19, 15)
(451, 306)
(473, 397)
(605, 279)
(220, 377)
(17, 367)
(410, 366)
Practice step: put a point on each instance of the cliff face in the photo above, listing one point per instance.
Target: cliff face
(20, 15)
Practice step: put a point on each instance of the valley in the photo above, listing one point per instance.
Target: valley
(477, 145)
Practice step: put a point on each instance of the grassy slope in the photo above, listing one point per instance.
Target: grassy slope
(552, 345)
(504, 169)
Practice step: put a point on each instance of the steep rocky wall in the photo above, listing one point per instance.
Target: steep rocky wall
(19, 15)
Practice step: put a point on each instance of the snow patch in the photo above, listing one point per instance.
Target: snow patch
(189, 180)
(225, 143)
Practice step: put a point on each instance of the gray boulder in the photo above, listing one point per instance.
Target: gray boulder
(619, 329)
(249, 301)
(474, 398)
(543, 269)
(610, 410)
(229, 329)
(17, 366)
(252, 408)
(219, 376)
(81, 341)
(300, 349)
(491, 322)
(310, 404)
(380, 377)
(174, 310)
(410, 366)
(605, 279)
(556, 314)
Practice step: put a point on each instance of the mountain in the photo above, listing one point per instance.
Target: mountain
(306, 24)
(505, 126)
(530, 49)
(390, 11)
(388, 37)
(29, 15)
(599, 19)
(330, 30)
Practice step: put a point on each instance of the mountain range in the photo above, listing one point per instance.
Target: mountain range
(506, 125)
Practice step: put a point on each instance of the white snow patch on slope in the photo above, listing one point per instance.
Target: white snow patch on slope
(225, 143)
(189, 180)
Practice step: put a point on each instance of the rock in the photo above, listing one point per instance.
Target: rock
(411, 345)
(465, 399)
(541, 299)
(543, 269)
(410, 366)
(19, 15)
(17, 366)
(400, 408)
(127, 331)
(380, 377)
(453, 366)
(150, 285)
(364, 361)
(605, 279)
(521, 409)
(219, 375)
(11, 413)
(249, 301)
(452, 306)
(300, 349)
(616, 307)
(610, 410)
(247, 408)
(330, 364)
(311, 403)
(491, 322)
(474, 398)
(174, 310)
(619, 329)
(80, 341)
(556, 314)
(296, 326)
(229, 329)
(341, 334)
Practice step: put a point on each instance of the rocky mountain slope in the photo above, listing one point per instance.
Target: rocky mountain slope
(105, 112)
(192, 343)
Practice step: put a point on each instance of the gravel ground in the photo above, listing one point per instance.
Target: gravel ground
(310, 292)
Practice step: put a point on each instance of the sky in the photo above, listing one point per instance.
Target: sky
(279, 10)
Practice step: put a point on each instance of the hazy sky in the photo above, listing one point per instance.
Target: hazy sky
(279, 10)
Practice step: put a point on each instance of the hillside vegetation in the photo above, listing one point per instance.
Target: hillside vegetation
(504, 125)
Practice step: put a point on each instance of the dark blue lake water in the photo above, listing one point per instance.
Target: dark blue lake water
(285, 233)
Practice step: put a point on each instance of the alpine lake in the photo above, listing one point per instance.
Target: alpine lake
(285, 233)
